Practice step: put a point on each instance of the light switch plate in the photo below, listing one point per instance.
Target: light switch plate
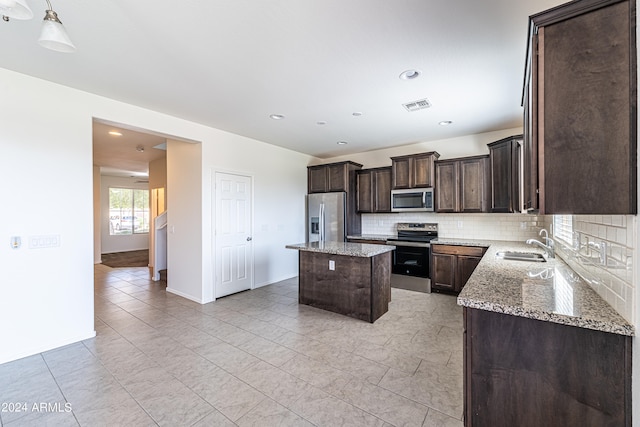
(332, 264)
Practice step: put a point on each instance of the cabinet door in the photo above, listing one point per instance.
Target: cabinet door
(447, 187)
(587, 111)
(401, 173)
(466, 266)
(338, 178)
(530, 146)
(423, 173)
(317, 179)
(473, 188)
(365, 191)
(505, 175)
(382, 190)
(443, 271)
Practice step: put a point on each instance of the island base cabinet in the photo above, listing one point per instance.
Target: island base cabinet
(357, 287)
(525, 372)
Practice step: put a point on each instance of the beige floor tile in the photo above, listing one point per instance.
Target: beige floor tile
(271, 413)
(318, 373)
(253, 358)
(268, 351)
(431, 385)
(438, 419)
(323, 409)
(229, 395)
(228, 357)
(279, 385)
(214, 419)
(389, 406)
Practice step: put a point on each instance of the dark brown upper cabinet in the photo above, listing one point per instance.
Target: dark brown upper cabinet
(413, 171)
(374, 190)
(580, 109)
(331, 177)
(462, 185)
(504, 157)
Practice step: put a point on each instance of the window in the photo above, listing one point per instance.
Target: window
(563, 228)
(128, 211)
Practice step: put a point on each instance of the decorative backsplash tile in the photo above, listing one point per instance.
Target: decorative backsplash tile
(602, 251)
(510, 227)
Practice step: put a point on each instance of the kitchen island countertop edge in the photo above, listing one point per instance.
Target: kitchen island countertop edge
(343, 248)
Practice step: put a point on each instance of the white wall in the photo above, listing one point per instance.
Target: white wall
(121, 242)
(47, 172)
(279, 188)
(46, 295)
(97, 238)
(470, 145)
(184, 221)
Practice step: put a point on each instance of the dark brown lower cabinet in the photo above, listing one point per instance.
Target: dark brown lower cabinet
(525, 372)
(452, 265)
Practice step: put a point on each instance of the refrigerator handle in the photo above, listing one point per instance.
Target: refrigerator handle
(321, 220)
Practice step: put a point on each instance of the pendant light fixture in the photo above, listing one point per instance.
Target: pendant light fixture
(52, 36)
(16, 9)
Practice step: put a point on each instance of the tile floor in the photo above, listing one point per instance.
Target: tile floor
(252, 359)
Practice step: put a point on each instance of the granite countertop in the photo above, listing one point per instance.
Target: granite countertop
(381, 237)
(550, 291)
(343, 248)
(462, 242)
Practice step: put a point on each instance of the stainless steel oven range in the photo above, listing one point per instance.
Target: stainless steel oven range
(412, 254)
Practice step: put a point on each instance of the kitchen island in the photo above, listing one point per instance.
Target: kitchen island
(353, 279)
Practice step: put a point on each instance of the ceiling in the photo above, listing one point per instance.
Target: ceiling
(126, 154)
(231, 64)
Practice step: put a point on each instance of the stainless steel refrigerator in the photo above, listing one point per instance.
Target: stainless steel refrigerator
(326, 215)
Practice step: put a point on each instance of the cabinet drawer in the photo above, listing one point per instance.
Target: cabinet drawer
(458, 250)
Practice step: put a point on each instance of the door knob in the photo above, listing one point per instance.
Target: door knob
(249, 239)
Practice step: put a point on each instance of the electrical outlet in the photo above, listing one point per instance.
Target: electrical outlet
(332, 264)
(460, 224)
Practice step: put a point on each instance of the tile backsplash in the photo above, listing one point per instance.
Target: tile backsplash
(511, 227)
(601, 252)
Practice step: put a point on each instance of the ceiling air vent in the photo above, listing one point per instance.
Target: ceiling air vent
(420, 104)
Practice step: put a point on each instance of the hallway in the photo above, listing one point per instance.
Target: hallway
(253, 358)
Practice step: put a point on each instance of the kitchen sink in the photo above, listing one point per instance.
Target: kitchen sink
(521, 256)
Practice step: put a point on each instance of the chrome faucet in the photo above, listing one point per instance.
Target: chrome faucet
(547, 246)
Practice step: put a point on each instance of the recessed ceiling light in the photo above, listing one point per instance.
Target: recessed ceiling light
(277, 116)
(409, 75)
(342, 142)
(357, 114)
(115, 133)
(445, 123)
(321, 123)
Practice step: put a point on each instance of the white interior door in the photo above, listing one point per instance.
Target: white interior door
(234, 246)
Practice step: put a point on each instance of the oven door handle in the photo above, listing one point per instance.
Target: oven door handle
(409, 244)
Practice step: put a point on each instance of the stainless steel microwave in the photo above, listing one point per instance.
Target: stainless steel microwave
(412, 200)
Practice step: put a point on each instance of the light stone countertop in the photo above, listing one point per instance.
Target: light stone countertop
(549, 291)
(343, 248)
